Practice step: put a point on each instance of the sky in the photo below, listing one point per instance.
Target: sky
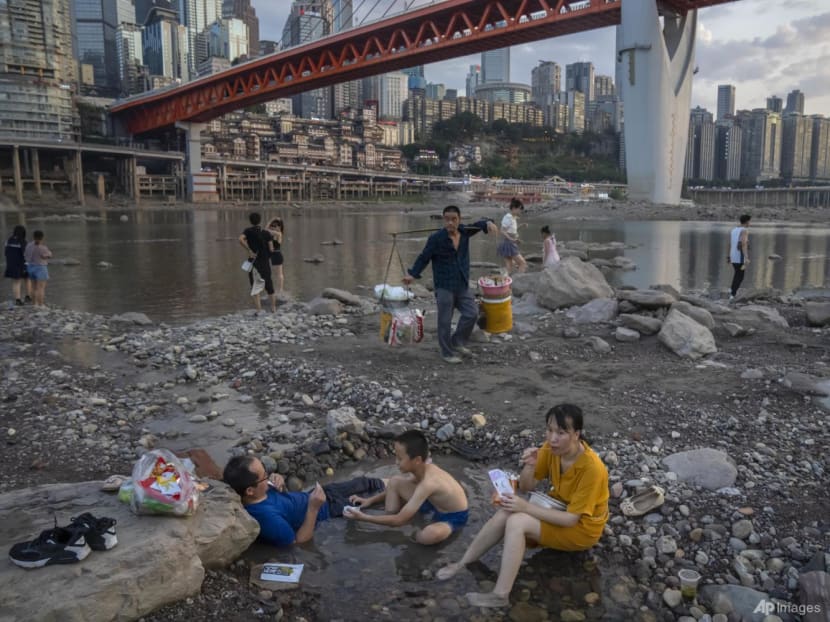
(763, 47)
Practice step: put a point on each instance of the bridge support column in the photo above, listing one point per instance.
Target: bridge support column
(36, 172)
(193, 153)
(657, 63)
(79, 176)
(18, 178)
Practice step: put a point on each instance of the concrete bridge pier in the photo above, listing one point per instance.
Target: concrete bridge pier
(36, 172)
(18, 177)
(656, 63)
(193, 156)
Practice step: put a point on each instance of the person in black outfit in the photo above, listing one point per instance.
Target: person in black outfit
(277, 230)
(16, 263)
(259, 244)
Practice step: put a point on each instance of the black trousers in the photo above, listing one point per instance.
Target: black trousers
(738, 277)
(338, 493)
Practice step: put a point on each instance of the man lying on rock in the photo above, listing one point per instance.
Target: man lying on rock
(423, 488)
(288, 517)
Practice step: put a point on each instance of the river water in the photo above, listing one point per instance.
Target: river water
(181, 265)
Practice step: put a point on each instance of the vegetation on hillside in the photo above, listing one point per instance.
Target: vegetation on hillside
(522, 151)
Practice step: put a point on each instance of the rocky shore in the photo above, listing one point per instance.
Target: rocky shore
(311, 390)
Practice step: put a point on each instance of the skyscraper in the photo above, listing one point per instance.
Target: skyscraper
(795, 102)
(495, 66)
(728, 136)
(700, 153)
(726, 101)
(93, 43)
(473, 80)
(165, 44)
(130, 53)
(196, 16)
(820, 151)
(545, 83)
(394, 90)
(775, 104)
(242, 10)
(310, 20)
(343, 13)
(37, 71)
(796, 145)
(604, 88)
(761, 148)
(580, 77)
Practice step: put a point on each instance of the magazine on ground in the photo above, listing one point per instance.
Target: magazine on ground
(284, 573)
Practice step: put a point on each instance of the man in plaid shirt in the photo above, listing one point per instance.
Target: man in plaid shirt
(449, 251)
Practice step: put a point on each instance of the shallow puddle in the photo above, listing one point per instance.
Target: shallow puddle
(364, 571)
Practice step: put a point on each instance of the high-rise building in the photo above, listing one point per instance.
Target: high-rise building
(728, 136)
(580, 77)
(795, 102)
(242, 10)
(726, 101)
(796, 146)
(820, 151)
(343, 13)
(473, 80)
(37, 71)
(95, 22)
(575, 100)
(345, 94)
(495, 65)
(228, 38)
(394, 91)
(700, 151)
(266, 46)
(310, 20)
(130, 53)
(436, 91)
(165, 43)
(775, 104)
(196, 16)
(545, 83)
(604, 90)
(761, 147)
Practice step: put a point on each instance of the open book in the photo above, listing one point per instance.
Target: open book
(283, 573)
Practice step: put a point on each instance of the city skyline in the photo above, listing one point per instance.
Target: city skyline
(785, 49)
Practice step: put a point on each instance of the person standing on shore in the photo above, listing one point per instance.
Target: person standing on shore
(509, 247)
(16, 263)
(449, 251)
(259, 244)
(277, 230)
(739, 253)
(37, 259)
(550, 256)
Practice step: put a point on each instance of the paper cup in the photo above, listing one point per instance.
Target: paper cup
(688, 583)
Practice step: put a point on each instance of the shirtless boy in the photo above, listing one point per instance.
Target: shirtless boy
(423, 488)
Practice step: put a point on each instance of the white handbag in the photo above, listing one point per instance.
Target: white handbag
(247, 265)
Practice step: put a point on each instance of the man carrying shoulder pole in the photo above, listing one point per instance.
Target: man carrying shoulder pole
(449, 251)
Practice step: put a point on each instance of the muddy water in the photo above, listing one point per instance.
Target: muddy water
(363, 571)
(181, 265)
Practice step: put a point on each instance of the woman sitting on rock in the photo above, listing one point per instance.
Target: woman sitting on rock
(577, 478)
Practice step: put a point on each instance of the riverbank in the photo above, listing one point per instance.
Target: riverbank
(83, 395)
(559, 209)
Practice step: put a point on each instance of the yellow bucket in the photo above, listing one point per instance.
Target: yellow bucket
(498, 315)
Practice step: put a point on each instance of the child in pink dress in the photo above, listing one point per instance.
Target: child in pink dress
(550, 256)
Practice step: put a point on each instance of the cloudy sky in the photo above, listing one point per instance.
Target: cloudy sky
(763, 47)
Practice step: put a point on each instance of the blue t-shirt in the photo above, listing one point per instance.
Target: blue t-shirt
(281, 514)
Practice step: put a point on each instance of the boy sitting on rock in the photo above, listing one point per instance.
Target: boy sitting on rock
(423, 488)
(288, 517)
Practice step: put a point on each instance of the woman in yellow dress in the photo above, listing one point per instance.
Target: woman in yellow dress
(577, 477)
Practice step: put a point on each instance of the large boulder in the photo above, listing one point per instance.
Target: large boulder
(646, 298)
(343, 419)
(759, 313)
(818, 313)
(525, 283)
(341, 295)
(325, 306)
(643, 324)
(805, 384)
(685, 337)
(698, 314)
(709, 468)
(595, 312)
(571, 282)
(158, 559)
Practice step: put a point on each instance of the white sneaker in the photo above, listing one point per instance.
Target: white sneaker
(463, 350)
(452, 360)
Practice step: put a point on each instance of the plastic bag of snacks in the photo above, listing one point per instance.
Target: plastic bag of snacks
(405, 326)
(161, 485)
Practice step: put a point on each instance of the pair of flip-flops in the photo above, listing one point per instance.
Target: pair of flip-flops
(643, 502)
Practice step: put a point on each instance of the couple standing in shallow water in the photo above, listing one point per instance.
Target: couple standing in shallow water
(264, 247)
